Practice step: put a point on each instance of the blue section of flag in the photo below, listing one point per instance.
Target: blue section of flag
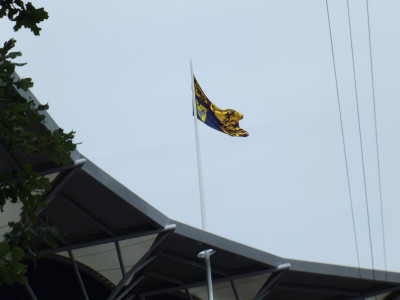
(210, 120)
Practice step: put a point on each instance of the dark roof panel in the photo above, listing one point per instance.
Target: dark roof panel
(91, 208)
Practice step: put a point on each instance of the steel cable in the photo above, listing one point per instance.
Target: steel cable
(343, 139)
(376, 140)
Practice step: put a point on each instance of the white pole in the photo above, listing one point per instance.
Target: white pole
(208, 252)
(209, 278)
(199, 169)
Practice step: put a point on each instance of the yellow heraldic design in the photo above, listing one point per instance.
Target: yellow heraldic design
(225, 120)
(201, 111)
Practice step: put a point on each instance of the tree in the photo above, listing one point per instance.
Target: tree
(19, 118)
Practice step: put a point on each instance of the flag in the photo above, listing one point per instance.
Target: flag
(225, 120)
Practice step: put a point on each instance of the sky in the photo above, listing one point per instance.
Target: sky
(118, 74)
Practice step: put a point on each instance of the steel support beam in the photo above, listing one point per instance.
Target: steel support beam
(129, 288)
(319, 289)
(168, 278)
(157, 252)
(376, 292)
(269, 285)
(194, 263)
(71, 256)
(30, 291)
(10, 157)
(56, 169)
(121, 261)
(188, 294)
(99, 224)
(203, 282)
(136, 268)
(272, 282)
(58, 237)
(102, 241)
(235, 290)
(39, 169)
(149, 257)
(50, 196)
(86, 214)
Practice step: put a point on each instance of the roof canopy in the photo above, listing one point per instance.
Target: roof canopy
(135, 250)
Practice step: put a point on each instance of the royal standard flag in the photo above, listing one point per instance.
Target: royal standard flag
(225, 120)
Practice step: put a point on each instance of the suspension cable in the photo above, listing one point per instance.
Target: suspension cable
(343, 140)
(361, 143)
(376, 141)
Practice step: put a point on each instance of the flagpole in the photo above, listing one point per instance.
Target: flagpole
(206, 253)
(199, 168)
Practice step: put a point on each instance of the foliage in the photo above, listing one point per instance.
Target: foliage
(18, 114)
(11, 268)
(22, 14)
(20, 132)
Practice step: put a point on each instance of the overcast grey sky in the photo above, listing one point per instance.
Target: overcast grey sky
(118, 74)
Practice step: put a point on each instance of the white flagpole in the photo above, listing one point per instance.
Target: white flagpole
(199, 168)
(206, 253)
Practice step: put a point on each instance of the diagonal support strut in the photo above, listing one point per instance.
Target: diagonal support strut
(143, 262)
(272, 282)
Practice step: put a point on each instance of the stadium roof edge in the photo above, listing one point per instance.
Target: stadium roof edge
(95, 200)
(125, 194)
(344, 271)
(208, 238)
(228, 245)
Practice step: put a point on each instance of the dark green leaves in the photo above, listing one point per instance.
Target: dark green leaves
(7, 66)
(19, 117)
(23, 15)
(24, 84)
(22, 131)
(28, 237)
(6, 48)
(25, 186)
(13, 55)
(12, 270)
